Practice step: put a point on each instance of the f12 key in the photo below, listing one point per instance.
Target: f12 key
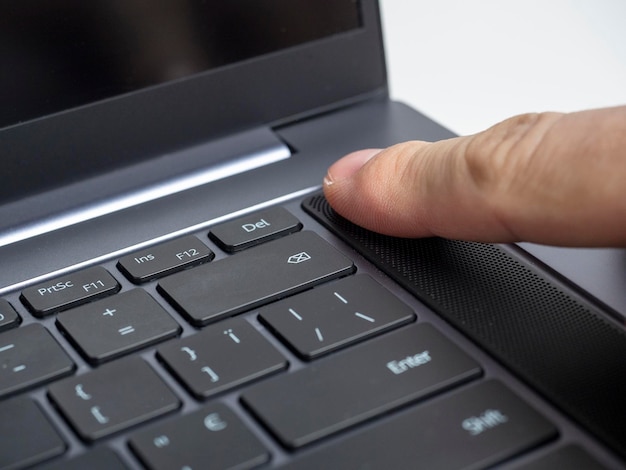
(166, 258)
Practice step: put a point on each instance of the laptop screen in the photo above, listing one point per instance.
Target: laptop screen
(89, 51)
(92, 87)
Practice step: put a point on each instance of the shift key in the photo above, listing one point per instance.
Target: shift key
(254, 277)
(476, 427)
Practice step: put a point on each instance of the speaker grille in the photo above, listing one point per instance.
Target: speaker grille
(569, 352)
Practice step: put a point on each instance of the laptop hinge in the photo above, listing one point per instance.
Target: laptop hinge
(136, 184)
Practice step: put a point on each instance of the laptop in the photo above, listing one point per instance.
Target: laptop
(175, 291)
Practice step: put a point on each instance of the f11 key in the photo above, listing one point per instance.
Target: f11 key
(69, 290)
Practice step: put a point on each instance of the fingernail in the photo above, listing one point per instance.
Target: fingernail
(349, 165)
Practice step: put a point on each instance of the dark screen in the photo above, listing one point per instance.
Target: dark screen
(63, 54)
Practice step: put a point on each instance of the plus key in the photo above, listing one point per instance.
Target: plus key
(114, 326)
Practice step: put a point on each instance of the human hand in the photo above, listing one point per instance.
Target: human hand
(548, 178)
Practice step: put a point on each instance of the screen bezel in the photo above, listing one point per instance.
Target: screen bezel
(271, 90)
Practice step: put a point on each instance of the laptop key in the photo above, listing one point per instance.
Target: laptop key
(112, 398)
(30, 356)
(117, 325)
(69, 290)
(212, 437)
(221, 357)
(476, 427)
(166, 258)
(100, 458)
(254, 277)
(252, 229)
(361, 383)
(26, 435)
(8, 316)
(570, 456)
(332, 316)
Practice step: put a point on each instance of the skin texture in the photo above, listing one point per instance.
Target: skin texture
(549, 178)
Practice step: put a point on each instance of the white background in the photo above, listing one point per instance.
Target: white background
(470, 63)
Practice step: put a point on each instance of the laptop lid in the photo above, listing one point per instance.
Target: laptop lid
(93, 88)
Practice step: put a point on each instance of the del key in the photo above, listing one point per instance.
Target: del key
(253, 229)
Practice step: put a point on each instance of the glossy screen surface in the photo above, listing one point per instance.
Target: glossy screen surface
(64, 54)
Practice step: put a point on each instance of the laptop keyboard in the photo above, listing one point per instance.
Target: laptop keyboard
(256, 344)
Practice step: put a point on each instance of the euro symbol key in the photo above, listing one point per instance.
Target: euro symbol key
(299, 258)
(215, 423)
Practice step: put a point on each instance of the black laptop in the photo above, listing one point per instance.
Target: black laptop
(176, 293)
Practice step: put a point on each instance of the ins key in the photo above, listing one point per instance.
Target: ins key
(253, 229)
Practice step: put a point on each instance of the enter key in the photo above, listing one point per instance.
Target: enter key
(362, 383)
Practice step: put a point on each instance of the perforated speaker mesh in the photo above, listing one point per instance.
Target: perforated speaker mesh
(569, 352)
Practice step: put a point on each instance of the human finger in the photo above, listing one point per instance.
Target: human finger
(548, 178)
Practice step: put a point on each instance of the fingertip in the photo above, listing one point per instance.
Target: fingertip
(357, 187)
(339, 183)
(411, 189)
(348, 165)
